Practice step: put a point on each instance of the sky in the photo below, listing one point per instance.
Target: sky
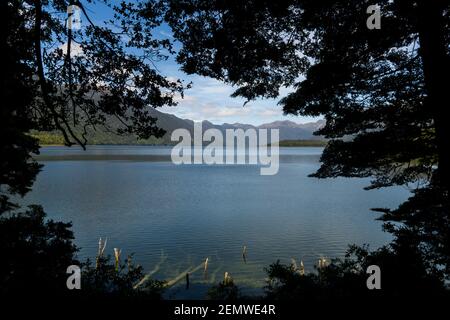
(209, 99)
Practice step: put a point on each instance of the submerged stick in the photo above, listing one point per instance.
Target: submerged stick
(322, 263)
(205, 270)
(226, 278)
(216, 271)
(155, 269)
(101, 250)
(294, 264)
(302, 268)
(117, 253)
(183, 274)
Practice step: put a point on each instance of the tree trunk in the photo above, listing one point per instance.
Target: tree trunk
(436, 73)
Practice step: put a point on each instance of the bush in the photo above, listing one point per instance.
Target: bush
(403, 274)
(35, 253)
(105, 279)
(225, 290)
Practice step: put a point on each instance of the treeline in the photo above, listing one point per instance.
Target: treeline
(46, 138)
(303, 143)
(100, 138)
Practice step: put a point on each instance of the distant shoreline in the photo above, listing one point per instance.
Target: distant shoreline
(111, 144)
(283, 143)
(302, 143)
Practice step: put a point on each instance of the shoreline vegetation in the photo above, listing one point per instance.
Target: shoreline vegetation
(50, 139)
(302, 143)
(54, 139)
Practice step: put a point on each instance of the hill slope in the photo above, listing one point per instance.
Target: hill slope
(289, 130)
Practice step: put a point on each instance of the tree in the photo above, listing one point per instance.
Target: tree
(60, 78)
(382, 92)
(35, 254)
(17, 170)
(55, 77)
(112, 74)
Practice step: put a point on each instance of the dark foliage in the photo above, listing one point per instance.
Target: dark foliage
(403, 277)
(104, 279)
(35, 253)
(224, 290)
(17, 169)
(99, 72)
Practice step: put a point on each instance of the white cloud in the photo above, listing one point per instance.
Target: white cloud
(217, 111)
(187, 99)
(271, 113)
(209, 99)
(207, 86)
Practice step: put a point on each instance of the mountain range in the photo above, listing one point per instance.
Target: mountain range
(289, 130)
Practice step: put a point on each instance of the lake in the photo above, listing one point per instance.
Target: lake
(174, 216)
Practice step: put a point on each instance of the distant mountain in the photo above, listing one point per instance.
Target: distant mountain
(289, 130)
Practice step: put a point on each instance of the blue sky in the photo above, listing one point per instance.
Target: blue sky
(209, 99)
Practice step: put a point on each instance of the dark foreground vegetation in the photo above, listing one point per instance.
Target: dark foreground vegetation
(384, 88)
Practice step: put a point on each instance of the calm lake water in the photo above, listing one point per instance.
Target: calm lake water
(173, 217)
